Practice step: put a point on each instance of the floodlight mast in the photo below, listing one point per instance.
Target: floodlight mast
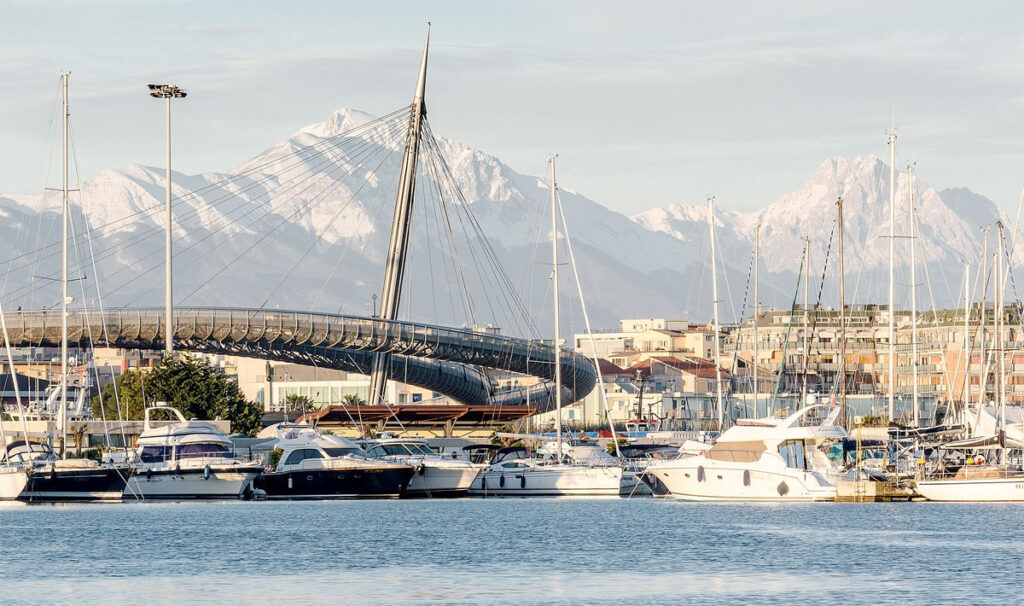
(168, 92)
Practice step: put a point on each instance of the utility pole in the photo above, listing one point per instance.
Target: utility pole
(168, 92)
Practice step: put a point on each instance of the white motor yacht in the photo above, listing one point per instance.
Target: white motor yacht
(585, 470)
(188, 460)
(758, 460)
(313, 465)
(436, 475)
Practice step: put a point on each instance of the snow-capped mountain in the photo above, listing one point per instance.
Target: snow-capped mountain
(305, 224)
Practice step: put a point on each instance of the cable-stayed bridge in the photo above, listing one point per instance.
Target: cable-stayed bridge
(292, 182)
(449, 361)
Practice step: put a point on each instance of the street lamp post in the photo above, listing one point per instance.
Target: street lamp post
(168, 92)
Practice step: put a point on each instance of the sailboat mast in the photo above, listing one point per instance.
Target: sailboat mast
(913, 297)
(842, 319)
(892, 275)
(982, 351)
(807, 302)
(1000, 321)
(757, 309)
(714, 296)
(65, 114)
(967, 334)
(554, 279)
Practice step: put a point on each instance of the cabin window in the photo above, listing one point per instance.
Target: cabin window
(299, 456)
(792, 452)
(339, 452)
(200, 451)
(155, 454)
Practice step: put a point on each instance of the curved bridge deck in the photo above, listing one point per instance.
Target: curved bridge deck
(449, 361)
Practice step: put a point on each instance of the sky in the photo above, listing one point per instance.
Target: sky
(646, 103)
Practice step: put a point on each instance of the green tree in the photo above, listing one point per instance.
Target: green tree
(353, 400)
(293, 402)
(190, 384)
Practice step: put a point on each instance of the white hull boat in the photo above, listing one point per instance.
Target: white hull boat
(12, 482)
(435, 475)
(526, 478)
(986, 486)
(188, 460)
(214, 480)
(757, 460)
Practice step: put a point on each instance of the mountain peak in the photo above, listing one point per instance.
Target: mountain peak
(339, 121)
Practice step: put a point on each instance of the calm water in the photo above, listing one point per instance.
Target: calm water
(502, 551)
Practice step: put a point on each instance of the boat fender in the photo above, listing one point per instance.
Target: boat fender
(483, 483)
(149, 473)
(422, 469)
(501, 481)
(783, 489)
(700, 473)
(206, 472)
(522, 481)
(746, 477)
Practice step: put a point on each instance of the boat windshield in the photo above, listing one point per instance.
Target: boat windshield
(341, 452)
(420, 449)
(207, 450)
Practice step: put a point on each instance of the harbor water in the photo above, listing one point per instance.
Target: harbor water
(492, 551)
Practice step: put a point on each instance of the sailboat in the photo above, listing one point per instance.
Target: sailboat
(563, 467)
(977, 480)
(49, 475)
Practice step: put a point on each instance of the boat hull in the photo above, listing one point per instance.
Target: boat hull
(90, 484)
(12, 483)
(708, 481)
(980, 490)
(361, 483)
(221, 482)
(553, 482)
(436, 481)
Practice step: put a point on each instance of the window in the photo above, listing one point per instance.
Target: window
(155, 454)
(198, 451)
(338, 452)
(792, 452)
(295, 458)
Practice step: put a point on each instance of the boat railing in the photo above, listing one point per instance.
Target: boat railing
(978, 472)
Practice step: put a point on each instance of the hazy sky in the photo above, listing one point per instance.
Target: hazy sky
(646, 103)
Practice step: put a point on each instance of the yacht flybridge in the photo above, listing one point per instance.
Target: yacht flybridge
(313, 465)
(758, 460)
(188, 460)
